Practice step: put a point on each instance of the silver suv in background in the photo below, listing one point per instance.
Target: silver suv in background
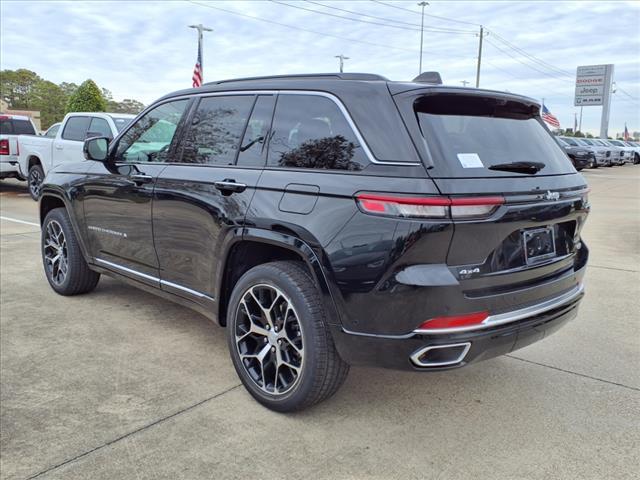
(636, 151)
(627, 151)
(603, 153)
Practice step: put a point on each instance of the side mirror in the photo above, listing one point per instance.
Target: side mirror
(96, 148)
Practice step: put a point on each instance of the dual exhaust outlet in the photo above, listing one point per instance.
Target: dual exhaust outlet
(440, 355)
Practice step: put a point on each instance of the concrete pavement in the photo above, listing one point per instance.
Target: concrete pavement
(121, 384)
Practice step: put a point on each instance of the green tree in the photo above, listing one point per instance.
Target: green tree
(87, 98)
(16, 87)
(128, 105)
(68, 88)
(50, 100)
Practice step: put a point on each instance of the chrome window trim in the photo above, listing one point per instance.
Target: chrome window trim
(154, 279)
(416, 355)
(318, 93)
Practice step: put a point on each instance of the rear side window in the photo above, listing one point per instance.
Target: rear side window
(99, 127)
(469, 134)
(51, 133)
(255, 135)
(310, 131)
(16, 127)
(216, 130)
(76, 129)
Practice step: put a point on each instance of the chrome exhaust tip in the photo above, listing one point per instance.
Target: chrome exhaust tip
(440, 355)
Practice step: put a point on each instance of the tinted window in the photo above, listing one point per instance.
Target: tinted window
(149, 138)
(16, 127)
(252, 146)
(570, 141)
(470, 134)
(216, 129)
(76, 128)
(53, 130)
(616, 143)
(310, 131)
(100, 128)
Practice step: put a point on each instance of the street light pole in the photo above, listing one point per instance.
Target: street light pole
(479, 57)
(342, 59)
(201, 28)
(421, 4)
(464, 83)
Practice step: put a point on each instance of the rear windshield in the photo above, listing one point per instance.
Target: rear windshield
(569, 141)
(16, 127)
(120, 122)
(467, 134)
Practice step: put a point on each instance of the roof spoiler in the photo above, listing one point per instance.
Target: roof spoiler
(429, 77)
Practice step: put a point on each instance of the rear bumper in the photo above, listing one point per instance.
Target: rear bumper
(470, 346)
(9, 167)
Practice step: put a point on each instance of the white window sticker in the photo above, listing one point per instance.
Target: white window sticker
(470, 160)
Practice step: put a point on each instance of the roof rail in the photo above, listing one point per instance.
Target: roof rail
(309, 76)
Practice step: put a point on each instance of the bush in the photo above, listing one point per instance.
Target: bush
(87, 98)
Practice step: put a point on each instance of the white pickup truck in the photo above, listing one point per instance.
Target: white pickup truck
(11, 126)
(39, 154)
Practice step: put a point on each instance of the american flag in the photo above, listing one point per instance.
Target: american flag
(549, 117)
(626, 133)
(197, 70)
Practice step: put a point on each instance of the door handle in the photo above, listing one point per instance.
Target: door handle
(229, 186)
(140, 178)
(59, 147)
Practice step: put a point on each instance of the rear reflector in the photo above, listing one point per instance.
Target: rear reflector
(454, 321)
(427, 207)
(4, 147)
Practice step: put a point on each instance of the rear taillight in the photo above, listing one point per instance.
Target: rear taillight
(427, 207)
(4, 147)
(454, 321)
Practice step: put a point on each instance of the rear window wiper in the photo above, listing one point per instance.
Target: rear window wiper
(519, 167)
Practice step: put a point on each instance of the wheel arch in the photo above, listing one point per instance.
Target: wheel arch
(258, 246)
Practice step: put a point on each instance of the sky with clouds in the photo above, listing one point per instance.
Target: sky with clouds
(143, 49)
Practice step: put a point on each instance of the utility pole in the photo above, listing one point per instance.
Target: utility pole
(580, 122)
(464, 83)
(421, 4)
(201, 28)
(479, 56)
(342, 59)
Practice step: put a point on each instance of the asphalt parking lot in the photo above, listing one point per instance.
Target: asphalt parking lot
(121, 384)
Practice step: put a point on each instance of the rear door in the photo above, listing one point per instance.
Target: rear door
(67, 147)
(201, 199)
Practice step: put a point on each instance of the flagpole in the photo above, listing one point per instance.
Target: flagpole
(201, 28)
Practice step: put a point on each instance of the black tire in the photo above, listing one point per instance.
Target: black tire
(34, 181)
(76, 278)
(636, 159)
(321, 371)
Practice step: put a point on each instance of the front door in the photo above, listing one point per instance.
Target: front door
(119, 193)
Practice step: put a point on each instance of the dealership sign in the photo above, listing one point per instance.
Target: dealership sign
(593, 83)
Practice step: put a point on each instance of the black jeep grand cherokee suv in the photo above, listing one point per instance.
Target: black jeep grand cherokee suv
(331, 220)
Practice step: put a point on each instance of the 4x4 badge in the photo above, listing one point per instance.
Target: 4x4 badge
(552, 195)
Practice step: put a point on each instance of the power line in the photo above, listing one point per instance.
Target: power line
(526, 64)
(426, 14)
(301, 29)
(443, 30)
(362, 21)
(627, 94)
(533, 58)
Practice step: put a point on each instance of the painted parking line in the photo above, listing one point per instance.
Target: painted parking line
(9, 219)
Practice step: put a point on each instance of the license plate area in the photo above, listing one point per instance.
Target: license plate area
(539, 244)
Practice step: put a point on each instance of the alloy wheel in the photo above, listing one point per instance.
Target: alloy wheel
(269, 339)
(35, 181)
(55, 252)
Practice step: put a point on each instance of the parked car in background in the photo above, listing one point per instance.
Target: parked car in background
(580, 157)
(63, 143)
(628, 150)
(52, 130)
(636, 151)
(331, 220)
(11, 126)
(601, 152)
(619, 154)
